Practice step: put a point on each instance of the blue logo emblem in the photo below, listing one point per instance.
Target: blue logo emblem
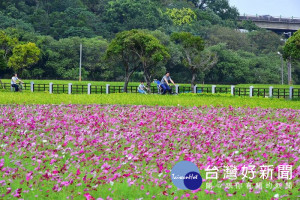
(186, 175)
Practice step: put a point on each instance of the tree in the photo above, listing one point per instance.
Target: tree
(23, 56)
(233, 38)
(220, 7)
(194, 57)
(291, 51)
(291, 48)
(62, 57)
(119, 50)
(93, 58)
(265, 41)
(136, 48)
(7, 43)
(151, 53)
(231, 67)
(237, 67)
(122, 15)
(181, 16)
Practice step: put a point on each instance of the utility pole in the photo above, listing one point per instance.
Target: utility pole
(289, 62)
(281, 67)
(289, 65)
(80, 59)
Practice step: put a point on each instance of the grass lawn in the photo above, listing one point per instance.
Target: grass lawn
(185, 100)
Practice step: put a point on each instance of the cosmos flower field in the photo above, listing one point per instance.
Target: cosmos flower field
(127, 152)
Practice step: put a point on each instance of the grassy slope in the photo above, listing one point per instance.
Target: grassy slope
(138, 99)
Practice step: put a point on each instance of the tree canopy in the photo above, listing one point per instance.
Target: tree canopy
(135, 49)
(57, 28)
(292, 46)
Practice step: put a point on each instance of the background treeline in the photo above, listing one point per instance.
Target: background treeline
(40, 39)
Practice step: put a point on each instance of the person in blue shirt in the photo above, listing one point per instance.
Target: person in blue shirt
(142, 88)
(165, 83)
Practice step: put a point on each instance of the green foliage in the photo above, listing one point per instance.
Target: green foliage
(264, 41)
(3, 63)
(234, 39)
(195, 59)
(181, 16)
(7, 43)
(189, 42)
(223, 9)
(16, 55)
(46, 22)
(209, 16)
(120, 51)
(121, 15)
(137, 48)
(6, 22)
(23, 56)
(248, 25)
(237, 67)
(292, 47)
(63, 57)
(220, 7)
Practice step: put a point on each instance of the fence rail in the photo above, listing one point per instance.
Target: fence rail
(95, 89)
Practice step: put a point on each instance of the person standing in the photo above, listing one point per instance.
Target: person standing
(14, 82)
(165, 83)
(141, 88)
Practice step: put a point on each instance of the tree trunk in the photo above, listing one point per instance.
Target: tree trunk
(194, 76)
(126, 84)
(128, 74)
(148, 81)
(147, 77)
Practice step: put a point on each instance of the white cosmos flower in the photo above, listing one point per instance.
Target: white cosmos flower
(111, 183)
(276, 196)
(44, 141)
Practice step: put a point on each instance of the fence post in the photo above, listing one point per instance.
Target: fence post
(32, 86)
(89, 88)
(270, 91)
(213, 89)
(195, 89)
(232, 90)
(291, 92)
(70, 88)
(51, 88)
(251, 91)
(107, 88)
(177, 89)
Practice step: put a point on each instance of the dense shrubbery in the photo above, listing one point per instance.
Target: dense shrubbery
(58, 27)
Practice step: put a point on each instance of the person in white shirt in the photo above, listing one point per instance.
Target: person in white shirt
(141, 88)
(14, 82)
